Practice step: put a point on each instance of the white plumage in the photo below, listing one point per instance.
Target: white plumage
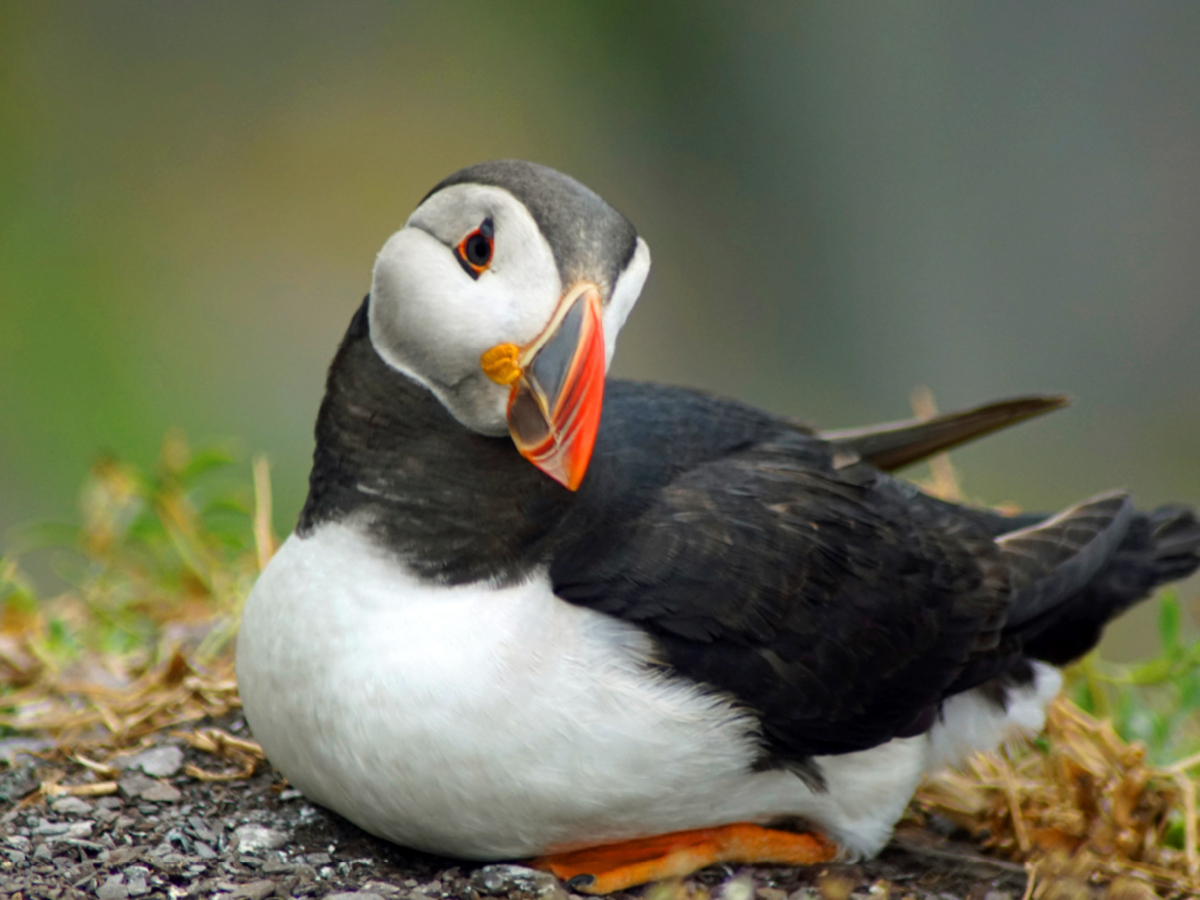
(496, 722)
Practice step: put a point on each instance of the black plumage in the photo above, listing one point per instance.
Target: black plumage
(840, 604)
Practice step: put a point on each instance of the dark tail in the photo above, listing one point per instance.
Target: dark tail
(894, 445)
(1073, 573)
(1157, 548)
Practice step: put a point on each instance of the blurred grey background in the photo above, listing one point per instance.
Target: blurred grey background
(843, 201)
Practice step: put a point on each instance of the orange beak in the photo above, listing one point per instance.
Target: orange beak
(557, 387)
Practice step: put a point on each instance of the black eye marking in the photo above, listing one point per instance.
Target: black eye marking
(474, 252)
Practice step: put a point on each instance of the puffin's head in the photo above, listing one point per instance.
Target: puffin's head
(503, 294)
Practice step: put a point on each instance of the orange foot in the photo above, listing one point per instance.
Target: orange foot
(615, 867)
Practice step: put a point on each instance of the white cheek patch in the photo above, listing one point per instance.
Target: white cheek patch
(432, 321)
(419, 307)
(624, 295)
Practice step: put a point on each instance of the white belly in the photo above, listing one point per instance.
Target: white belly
(502, 722)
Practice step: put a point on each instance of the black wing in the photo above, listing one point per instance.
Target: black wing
(838, 603)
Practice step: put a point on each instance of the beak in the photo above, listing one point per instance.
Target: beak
(557, 387)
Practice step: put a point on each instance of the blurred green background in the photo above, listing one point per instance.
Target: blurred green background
(843, 201)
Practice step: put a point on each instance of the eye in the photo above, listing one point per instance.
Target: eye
(474, 252)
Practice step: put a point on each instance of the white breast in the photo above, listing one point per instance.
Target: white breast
(501, 722)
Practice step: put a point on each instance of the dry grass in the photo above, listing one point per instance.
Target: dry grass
(141, 643)
(1085, 802)
(1081, 806)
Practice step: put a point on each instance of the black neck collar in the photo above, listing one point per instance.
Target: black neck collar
(455, 505)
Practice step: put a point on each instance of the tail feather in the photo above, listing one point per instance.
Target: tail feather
(1157, 548)
(1175, 535)
(1052, 561)
(894, 445)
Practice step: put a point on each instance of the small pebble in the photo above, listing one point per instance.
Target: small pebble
(71, 806)
(80, 830)
(161, 762)
(161, 792)
(131, 786)
(835, 887)
(383, 889)
(255, 890)
(135, 880)
(45, 827)
(354, 895)
(740, 888)
(113, 889)
(256, 838)
(505, 878)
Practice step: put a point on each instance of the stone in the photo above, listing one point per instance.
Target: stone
(255, 890)
(79, 830)
(51, 828)
(740, 888)
(506, 878)
(161, 792)
(20, 842)
(201, 830)
(135, 880)
(131, 786)
(354, 895)
(382, 888)
(121, 856)
(113, 889)
(160, 762)
(71, 806)
(257, 838)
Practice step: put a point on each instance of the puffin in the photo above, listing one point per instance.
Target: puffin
(625, 630)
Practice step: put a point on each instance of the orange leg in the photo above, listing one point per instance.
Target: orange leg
(615, 867)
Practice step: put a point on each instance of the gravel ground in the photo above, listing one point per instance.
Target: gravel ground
(167, 835)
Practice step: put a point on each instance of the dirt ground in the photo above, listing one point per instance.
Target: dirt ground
(164, 834)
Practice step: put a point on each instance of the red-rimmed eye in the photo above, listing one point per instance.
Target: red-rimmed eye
(474, 252)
